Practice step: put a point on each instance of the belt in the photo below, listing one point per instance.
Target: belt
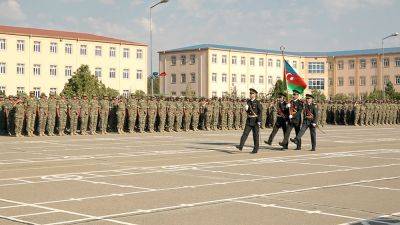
(252, 116)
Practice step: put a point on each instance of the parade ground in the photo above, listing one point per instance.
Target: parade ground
(199, 178)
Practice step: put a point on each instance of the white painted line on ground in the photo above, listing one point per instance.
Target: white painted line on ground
(375, 187)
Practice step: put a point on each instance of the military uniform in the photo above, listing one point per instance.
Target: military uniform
(195, 114)
(171, 110)
(253, 122)
(215, 115)
(132, 113)
(187, 114)
(31, 109)
(142, 113)
(104, 112)
(179, 115)
(19, 117)
(9, 115)
(281, 121)
(43, 113)
(151, 113)
(62, 114)
(94, 115)
(295, 117)
(121, 109)
(51, 118)
(84, 114)
(2, 119)
(74, 110)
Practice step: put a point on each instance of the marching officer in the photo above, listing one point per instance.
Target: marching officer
(282, 118)
(253, 121)
(310, 114)
(295, 107)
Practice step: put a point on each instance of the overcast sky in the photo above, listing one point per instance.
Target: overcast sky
(300, 25)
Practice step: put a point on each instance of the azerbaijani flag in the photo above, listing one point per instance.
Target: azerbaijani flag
(293, 80)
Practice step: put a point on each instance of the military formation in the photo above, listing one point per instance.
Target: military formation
(59, 115)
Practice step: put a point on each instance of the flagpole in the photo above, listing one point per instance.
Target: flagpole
(282, 48)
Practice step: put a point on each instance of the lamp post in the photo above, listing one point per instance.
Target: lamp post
(151, 44)
(383, 61)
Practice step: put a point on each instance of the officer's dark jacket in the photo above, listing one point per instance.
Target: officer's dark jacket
(310, 109)
(255, 108)
(282, 111)
(298, 106)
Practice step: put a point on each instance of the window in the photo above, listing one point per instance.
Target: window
(397, 62)
(269, 79)
(173, 60)
(243, 78)
(351, 81)
(340, 65)
(261, 79)
(139, 54)
(36, 69)
(97, 51)
(2, 68)
(68, 71)
(192, 59)
(20, 69)
(112, 52)
(252, 79)
(112, 72)
(316, 67)
(183, 59)
(193, 78)
(233, 78)
(97, 72)
(53, 70)
(223, 59)
(373, 80)
(331, 65)
(302, 65)
(139, 74)
(20, 90)
(351, 64)
(53, 90)
(386, 62)
(397, 81)
(363, 63)
(173, 78)
(340, 81)
(214, 77)
(183, 93)
(53, 47)
(2, 90)
(386, 79)
(270, 62)
(295, 64)
(362, 81)
(125, 74)
(252, 61)
(36, 46)
(278, 63)
(243, 61)
(224, 94)
(330, 82)
(125, 93)
(68, 48)
(214, 94)
(36, 90)
(224, 78)
(83, 50)
(20, 45)
(173, 93)
(261, 62)
(126, 53)
(278, 78)
(234, 60)
(2, 44)
(183, 78)
(214, 58)
(373, 63)
(316, 83)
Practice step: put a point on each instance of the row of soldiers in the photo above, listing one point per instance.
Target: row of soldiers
(59, 115)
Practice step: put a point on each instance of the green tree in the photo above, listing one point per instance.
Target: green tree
(156, 85)
(340, 97)
(318, 95)
(389, 90)
(83, 82)
(280, 87)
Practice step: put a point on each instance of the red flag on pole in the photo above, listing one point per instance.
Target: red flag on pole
(163, 74)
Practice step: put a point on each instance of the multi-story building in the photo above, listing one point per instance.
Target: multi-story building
(43, 60)
(217, 70)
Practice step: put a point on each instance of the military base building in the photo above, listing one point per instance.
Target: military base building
(210, 70)
(43, 60)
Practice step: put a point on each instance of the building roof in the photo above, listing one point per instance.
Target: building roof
(305, 54)
(63, 35)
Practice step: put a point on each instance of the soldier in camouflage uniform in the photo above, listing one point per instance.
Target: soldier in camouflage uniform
(73, 112)
(132, 107)
(357, 112)
(9, 114)
(51, 117)
(104, 112)
(179, 114)
(264, 113)
(94, 114)
(43, 113)
(362, 113)
(237, 107)
(142, 114)
(208, 113)
(2, 122)
(62, 114)
(152, 113)
(223, 114)
(121, 109)
(215, 114)
(195, 114)
(243, 113)
(171, 109)
(162, 114)
(324, 113)
(84, 114)
(19, 116)
(273, 113)
(30, 109)
(187, 113)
